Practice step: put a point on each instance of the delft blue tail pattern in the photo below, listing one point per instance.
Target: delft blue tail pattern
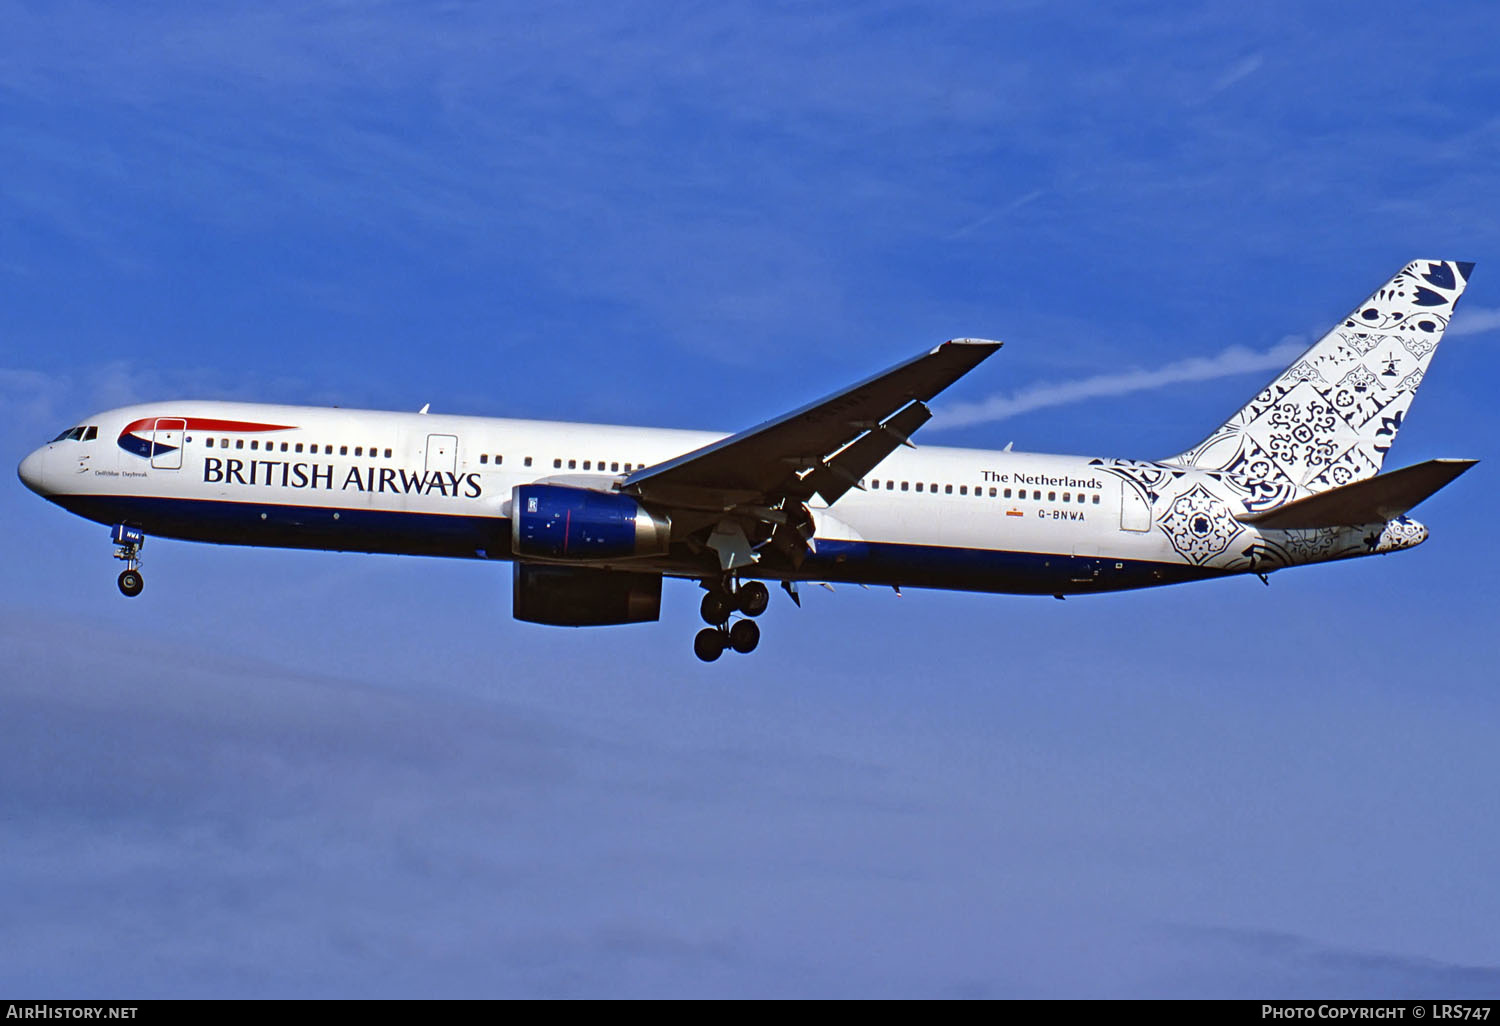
(1330, 417)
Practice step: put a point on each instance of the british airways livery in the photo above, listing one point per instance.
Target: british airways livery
(593, 517)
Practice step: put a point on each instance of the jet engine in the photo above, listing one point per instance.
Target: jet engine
(559, 522)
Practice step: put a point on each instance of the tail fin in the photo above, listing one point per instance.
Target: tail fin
(1330, 417)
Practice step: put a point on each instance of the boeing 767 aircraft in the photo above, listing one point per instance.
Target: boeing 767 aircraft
(592, 517)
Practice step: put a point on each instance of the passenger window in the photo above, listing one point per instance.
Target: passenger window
(572, 464)
(484, 457)
(343, 450)
(904, 485)
(585, 464)
(299, 446)
(528, 459)
(327, 450)
(1007, 493)
(557, 464)
(613, 467)
(209, 442)
(1065, 496)
(283, 447)
(992, 493)
(359, 450)
(1036, 495)
(919, 486)
(963, 489)
(223, 443)
(254, 443)
(388, 454)
(239, 443)
(499, 460)
(1096, 500)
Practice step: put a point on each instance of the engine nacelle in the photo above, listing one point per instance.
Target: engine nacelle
(567, 596)
(564, 523)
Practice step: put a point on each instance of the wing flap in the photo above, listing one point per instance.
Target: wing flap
(1371, 501)
(852, 463)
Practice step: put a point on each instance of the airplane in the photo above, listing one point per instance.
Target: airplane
(593, 517)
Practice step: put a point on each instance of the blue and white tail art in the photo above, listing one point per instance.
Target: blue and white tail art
(593, 517)
(1329, 419)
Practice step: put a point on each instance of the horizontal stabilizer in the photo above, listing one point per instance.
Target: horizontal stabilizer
(1371, 501)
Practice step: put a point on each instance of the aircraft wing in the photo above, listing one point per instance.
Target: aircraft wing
(823, 447)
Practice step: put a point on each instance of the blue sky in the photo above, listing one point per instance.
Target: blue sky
(312, 774)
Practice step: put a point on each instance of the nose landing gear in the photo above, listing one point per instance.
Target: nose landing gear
(129, 541)
(721, 601)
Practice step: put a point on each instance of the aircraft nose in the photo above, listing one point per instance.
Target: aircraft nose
(31, 471)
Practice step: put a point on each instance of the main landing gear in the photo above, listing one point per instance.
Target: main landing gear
(719, 603)
(128, 542)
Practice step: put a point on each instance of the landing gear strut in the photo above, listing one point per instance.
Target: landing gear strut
(128, 542)
(722, 600)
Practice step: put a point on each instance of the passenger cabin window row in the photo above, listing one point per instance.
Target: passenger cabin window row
(311, 448)
(599, 466)
(994, 491)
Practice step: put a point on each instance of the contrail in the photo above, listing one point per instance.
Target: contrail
(1232, 361)
(1473, 320)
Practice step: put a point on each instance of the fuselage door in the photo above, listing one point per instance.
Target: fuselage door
(442, 453)
(1135, 510)
(166, 444)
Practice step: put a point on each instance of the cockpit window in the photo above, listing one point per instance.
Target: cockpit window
(91, 432)
(70, 435)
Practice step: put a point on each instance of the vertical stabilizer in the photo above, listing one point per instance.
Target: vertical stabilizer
(1330, 417)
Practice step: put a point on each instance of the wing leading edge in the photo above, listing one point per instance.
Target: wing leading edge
(824, 447)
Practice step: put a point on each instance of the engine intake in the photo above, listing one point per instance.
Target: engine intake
(563, 523)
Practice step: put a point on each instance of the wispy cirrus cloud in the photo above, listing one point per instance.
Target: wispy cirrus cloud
(1232, 361)
(1241, 69)
(1474, 320)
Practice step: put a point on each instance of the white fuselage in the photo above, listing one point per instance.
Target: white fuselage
(360, 480)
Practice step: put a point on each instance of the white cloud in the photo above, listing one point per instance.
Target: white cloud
(1241, 69)
(1232, 361)
(1474, 320)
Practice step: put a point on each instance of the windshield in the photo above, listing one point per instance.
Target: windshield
(78, 434)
